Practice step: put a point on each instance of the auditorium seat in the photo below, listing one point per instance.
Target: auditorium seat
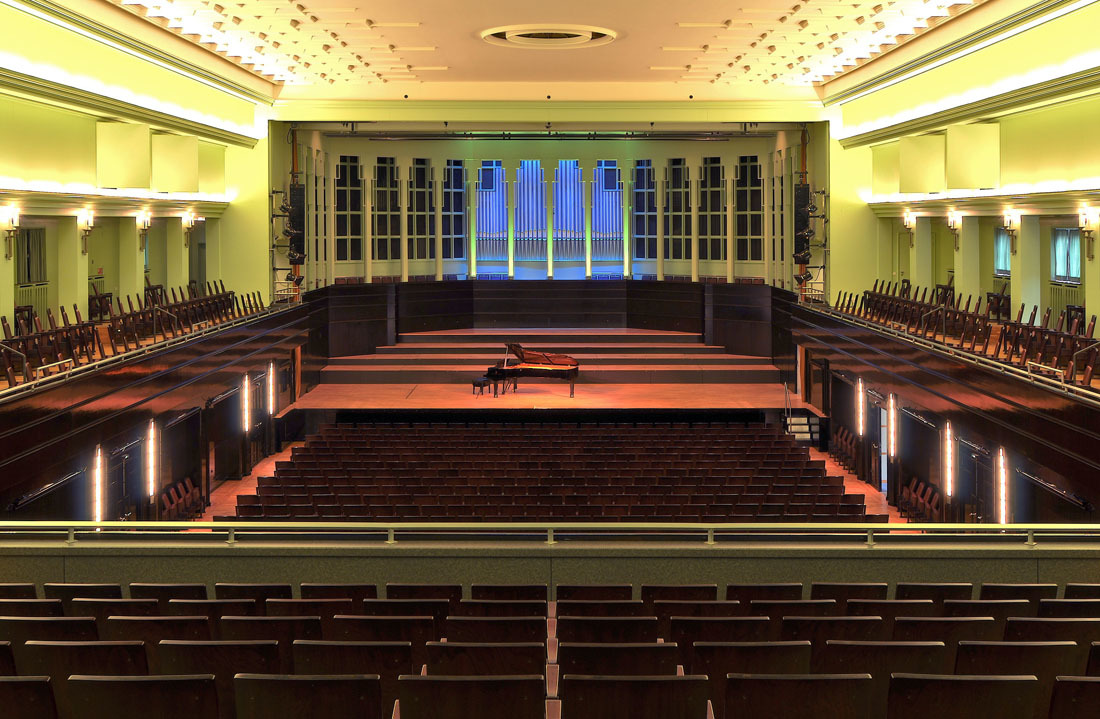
(451, 592)
(818, 629)
(717, 659)
(7, 660)
(844, 591)
(600, 608)
(686, 631)
(1074, 697)
(796, 696)
(31, 608)
(355, 592)
(437, 609)
(665, 609)
(920, 696)
(484, 658)
(949, 630)
(304, 696)
(18, 590)
(283, 629)
(1088, 608)
(27, 697)
(415, 630)
(258, 592)
(501, 608)
(619, 630)
(59, 660)
(187, 696)
(634, 659)
(326, 609)
(1044, 660)
(18, 630)
(777, 608)
(678, 592)
(459, 697)
(66, 592)
(509, 592)
(495, 629)
(388, 660)
(1078, 591)
(212, 609)
(1054, 629)
(1031, 592)
(880, 660)
(152, 630)
(999, 609)
(163, 593)
(615, 697)
(890, 609)
(100, 609)
(936, 591)
(594, 592)
(223, 659)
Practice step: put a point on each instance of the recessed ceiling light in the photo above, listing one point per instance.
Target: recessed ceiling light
(548, 37)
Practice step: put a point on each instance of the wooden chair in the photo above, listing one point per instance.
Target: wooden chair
(59, 660)
(223, 659)
(594, 592)
(355, 592)
(615, 697)
(501, 608)
(283, 629)
(27, 697)
(936, 591)
(794, 696)
(258, 592)
(288, 696)
(746, 593)
(189, 696)
(31, 608)
(437, 697)
(919, 696)
(509, 592)
(1074, 696)
(388, 660)
(418, 631)
(601, 608)
(496, 629)
(164, 593)
(487, 658)
(1044, 660)
(607, 629)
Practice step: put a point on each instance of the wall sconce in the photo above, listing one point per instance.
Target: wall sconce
(144, 222)
(1087, 219)
(954, 223)
(9, 222)
(188, 227)
(85, 222)
(1011, 223)
(908, 220)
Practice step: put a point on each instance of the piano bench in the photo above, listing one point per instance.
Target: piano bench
(480, 384)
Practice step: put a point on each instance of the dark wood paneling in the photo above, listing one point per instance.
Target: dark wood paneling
(739, 318)
(550, 303)
(431, 306)
(52, 432)
(358, 318)
(671, 306)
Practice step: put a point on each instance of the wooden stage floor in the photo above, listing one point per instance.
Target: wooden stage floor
(549, 394)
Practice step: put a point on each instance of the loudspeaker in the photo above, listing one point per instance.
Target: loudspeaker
(802, 230)
(297, 219)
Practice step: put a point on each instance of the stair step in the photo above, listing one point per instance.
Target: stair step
(528, 336)
(586, 360)
(613, 374)
(569, 348)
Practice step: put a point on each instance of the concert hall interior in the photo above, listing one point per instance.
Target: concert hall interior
(709, 361)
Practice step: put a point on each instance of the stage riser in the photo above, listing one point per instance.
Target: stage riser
(641, 375)
(573, 350)
(526, 337)
(484, 360)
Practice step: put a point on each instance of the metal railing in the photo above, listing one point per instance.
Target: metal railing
(35, 294)
(707, 533)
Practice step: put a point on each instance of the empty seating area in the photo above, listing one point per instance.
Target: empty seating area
(868, 650)
(36, 347)
(713, 472)
(1065, 349)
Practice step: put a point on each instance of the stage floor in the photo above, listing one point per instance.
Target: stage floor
(549, 394)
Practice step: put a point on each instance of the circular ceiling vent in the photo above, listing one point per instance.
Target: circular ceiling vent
(548, 37)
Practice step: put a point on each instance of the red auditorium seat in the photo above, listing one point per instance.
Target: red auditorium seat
(223, 659)
(348, 696)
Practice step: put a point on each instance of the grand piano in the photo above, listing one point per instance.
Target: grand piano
(532, 364)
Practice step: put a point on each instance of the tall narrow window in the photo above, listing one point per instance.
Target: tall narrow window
(1065, 255)
(454, 211)
(677, 211)
(607, 212)
(1002, 253)
(492, 212)
(569, 211)
(749, 210)
(645, 211)
(420, 215)
(385, 212)
(712, 210)
(349, 210)
(530, 212)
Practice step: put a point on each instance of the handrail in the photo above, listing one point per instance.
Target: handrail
(509, 530)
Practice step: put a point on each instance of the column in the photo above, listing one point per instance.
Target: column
(403, 203)
(1027, 264)
(131, 259)
(437, 203)
(628, 251)
(693, 197)
(510, 209)
(72, 266)
(1090, 273)
(660, 187)
(368, 228)
(588, 190)
(920, 254)
(968, 258)
(177, 258)
(550, 228)
(7, 276)
(886, 245)
(730, 249)
(471, 213)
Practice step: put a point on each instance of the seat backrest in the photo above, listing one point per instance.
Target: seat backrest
(165, 592)
(936, 591)
(17, 590)
(223, 659)
(682, 592)
(880, 659)
(415, 630)
(59, 660)
(486, 658)
(211, 608)
(189, 696)
(501, 608)
(919, 696)
(27, 697)
(324, 608)
(1031, 592)
(843, 591)
(7, 660)
(355, 592)
(1075, 696)
(283, 629)
(717, 659)
(260, 592)
(152, 630)
(432, 697)
(685, 631)
(66, 592)
(451, 592)
(597, 592)
(304, 696)
(746, 593)
(1089, 608)
(616, 697)
(793, 696)
(496, 629)
(623, 659)
(819, 629)
(607, 629)
(1045, 660)
(509, 592)
(31, 608)
(20, 629)
(388, 660)
(601, 608)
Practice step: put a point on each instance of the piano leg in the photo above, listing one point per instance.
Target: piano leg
(570, 389)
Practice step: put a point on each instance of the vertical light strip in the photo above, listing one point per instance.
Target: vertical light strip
(892, 422)
(97, 485)
(1002, 486)
(860, 401)
(270, 389)
(948, 461)
(246, 408)
(151, 459)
